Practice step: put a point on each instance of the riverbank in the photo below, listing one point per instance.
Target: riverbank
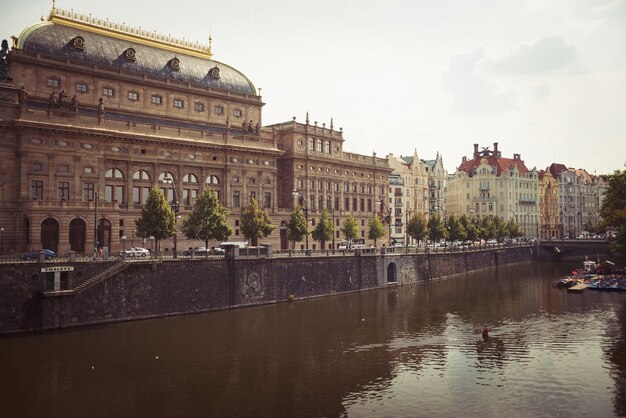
(47, 296)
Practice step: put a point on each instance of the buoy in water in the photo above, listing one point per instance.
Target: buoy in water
(485, 333)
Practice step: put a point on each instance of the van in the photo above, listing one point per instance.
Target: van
(221, 249)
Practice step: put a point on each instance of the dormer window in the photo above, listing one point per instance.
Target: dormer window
(175, 64)
(78, 43)
(130, 54)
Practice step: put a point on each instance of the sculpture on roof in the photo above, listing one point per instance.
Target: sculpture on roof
(4, 62)
(61, 100)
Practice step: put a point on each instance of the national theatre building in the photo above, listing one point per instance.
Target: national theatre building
(93, 114)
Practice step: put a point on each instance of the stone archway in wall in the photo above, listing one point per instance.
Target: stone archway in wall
(392, 273)
(50, 234)
(104, 234)
(78, 234)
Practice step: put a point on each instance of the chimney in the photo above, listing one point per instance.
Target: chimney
(495, 150)
(475, 150)
(516, 157)
(464, 159)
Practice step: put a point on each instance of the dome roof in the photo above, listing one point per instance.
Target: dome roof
(138, 54)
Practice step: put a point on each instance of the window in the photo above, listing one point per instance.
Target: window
(141, 175)
(199, 107)
(114, 173)
(318, 148)
(346, 203)
(236, 199)
(251, 197)
(320, 202)
(219, 110)
(211, 179)
(107, 91)
(64, 190)
(157, 100)
(237, 113)
(81, 88)
(53, 82)
(88, 191)
(37, 167)
(190, 178)
(327, 147)
(37, 189)
(311, 144)
(133, 96)
(114, 193)
(189, 196)
(179, 104)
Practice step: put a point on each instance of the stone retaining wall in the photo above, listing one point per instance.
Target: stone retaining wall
(150, 289)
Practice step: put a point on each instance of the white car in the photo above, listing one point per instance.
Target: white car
(137, 252)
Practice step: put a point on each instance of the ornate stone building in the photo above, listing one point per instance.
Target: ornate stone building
(326, 177)
(549, 206)
(94, 113)
(489, 184)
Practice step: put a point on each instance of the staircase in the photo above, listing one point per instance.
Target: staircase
(116, 268)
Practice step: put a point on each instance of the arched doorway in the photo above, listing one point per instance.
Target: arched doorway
(78, 234)
(392, 273)
(104, 234)
(50, 234)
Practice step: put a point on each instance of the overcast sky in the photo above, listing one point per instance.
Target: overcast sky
(544, 79)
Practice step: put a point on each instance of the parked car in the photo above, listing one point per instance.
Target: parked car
(137, 252)
(34, 255)
(196, 251)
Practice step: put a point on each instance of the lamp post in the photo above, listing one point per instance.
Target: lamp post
(175, 207)
(298, 193)
(382, 205)
(333, 213)
(1, 240)
(95, 224)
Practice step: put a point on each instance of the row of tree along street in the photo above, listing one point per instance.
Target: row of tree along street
(208, 221)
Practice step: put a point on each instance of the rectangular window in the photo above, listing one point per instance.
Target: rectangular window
(336, 202)
(133, 96)
(346, 203)
(144, 195)
(37, 167)
(136, 195)
(81, 88)
(219, 110)
(267, 200)
(354, 207)
(179, 104)
(199, 107)
(37, 189)
(237, 113)
(362, 205)
(107, 91)
(236, 201)
(369, 205)
(320, 202)
(88, 191)
(64, 190)
(251, 196)
(53, 82)
(312, 203)
(157, 100)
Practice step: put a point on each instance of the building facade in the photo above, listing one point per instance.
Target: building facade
(94, 114)
(490, 185)
(549, 206)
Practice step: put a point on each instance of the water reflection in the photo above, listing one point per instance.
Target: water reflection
(408, 351)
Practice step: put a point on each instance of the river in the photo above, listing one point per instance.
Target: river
(410, 351)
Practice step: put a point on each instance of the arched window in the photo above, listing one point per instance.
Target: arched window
(190, 178)
(141, 175)
(211, 179)
(141, 187)
(114, 173)
(114, 188)
(167, 183)
(190, 189)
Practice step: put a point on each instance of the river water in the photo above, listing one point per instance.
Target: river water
(410, 351)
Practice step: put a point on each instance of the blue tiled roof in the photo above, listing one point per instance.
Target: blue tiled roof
(55, 40)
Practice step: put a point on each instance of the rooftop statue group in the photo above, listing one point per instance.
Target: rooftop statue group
(4, 62)
(249, 128)
(61, 99)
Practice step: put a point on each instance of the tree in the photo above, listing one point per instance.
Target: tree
(500, 227)
(417, 228)
(513, 230)
(157, 219)
(297, 227)
(375, 229)
(255, 222)
(471, 228)
(613, 212)
(350, 229)
(207, 220)
(456, 230)
(324, 229)
(436, 228)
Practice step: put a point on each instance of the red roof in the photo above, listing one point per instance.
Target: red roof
(500, 163)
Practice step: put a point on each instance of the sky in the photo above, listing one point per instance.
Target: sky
(546, 79)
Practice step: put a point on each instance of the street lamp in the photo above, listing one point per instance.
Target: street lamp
(298, 193)
(95, 224)
(1, 240)
(382, 205)
(175, 207)
(333, 213)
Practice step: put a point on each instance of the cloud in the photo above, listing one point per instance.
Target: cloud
(543, 56)
(541, 91)
(474, 89)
